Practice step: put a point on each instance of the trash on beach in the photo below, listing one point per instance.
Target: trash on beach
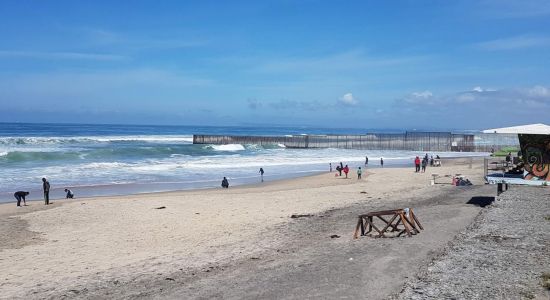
(334, 236)
(295, 216)
(161, 207)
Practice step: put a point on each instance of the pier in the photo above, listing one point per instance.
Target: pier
(413, 141)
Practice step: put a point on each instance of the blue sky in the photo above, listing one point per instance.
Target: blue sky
(371, 64)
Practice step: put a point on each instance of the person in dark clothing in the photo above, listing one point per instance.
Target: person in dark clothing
(424, 164)
(381, 162)
(366, 160)
(225, 183)
(46, 188)
(508, 158)
(339, 169)
(21, 195)
(330, 167)
(70, 194)
(262, 174)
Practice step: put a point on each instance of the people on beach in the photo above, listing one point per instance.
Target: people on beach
(381, 162)
(432, 160)
(69, 195)
(346, 170)
(21, 195)
(359, 172)
(339, 169)
(330, 167)
(262, 174)
(225, 183)
(417, 164)
(46, 188)
(508, 158)
(366, 160)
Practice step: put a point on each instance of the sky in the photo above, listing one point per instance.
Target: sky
(367, 64)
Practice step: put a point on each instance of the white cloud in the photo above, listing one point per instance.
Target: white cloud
(61, 55)
(535, 97)
(514, 43)
(539, 91)
(348, 99)
(425, 97)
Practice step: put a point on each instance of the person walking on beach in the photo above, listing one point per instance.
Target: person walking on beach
(70, 194)
(20, 195)
(382, 162)
(225, 183)
(366, 160)
(262, 174)
(346, 170)
(359, 172)
(417, 164)
(424, 164)
(46, 188)
(330, 167)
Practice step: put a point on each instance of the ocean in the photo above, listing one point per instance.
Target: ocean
(101, 160)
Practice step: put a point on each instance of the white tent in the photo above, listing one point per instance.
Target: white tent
(526, 129)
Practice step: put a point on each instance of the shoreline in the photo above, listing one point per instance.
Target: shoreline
(142, 188)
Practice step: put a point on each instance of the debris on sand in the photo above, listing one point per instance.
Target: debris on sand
(161, 207)
(295, 216)
(334, 236)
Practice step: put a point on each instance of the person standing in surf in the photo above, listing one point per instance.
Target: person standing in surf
(262, 174)
(381, 162)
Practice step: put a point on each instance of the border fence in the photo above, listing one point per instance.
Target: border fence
(414, 141)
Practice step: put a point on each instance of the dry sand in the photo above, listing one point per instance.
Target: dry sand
(236, 243)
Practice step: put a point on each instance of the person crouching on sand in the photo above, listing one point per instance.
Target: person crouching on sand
(21, 195)
(225, 183)
(70, 194)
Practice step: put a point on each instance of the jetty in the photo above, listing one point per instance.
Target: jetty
(413, 141)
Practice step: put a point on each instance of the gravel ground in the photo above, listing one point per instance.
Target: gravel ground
(502, 255)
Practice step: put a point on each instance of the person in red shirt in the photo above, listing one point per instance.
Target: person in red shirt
(346, 170)
(417, 164)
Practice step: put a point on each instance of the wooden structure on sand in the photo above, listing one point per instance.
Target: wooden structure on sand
(404, 218)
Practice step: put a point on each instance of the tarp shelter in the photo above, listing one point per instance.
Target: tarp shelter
(524, 129)
(534, 141)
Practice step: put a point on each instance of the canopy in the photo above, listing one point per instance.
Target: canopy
(525, 129)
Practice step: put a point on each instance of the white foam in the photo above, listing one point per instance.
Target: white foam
(228, 147)
(16, 141)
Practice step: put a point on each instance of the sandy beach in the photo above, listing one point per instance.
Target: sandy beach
(236, 243)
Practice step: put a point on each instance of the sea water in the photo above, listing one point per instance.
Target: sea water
(98, 160)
